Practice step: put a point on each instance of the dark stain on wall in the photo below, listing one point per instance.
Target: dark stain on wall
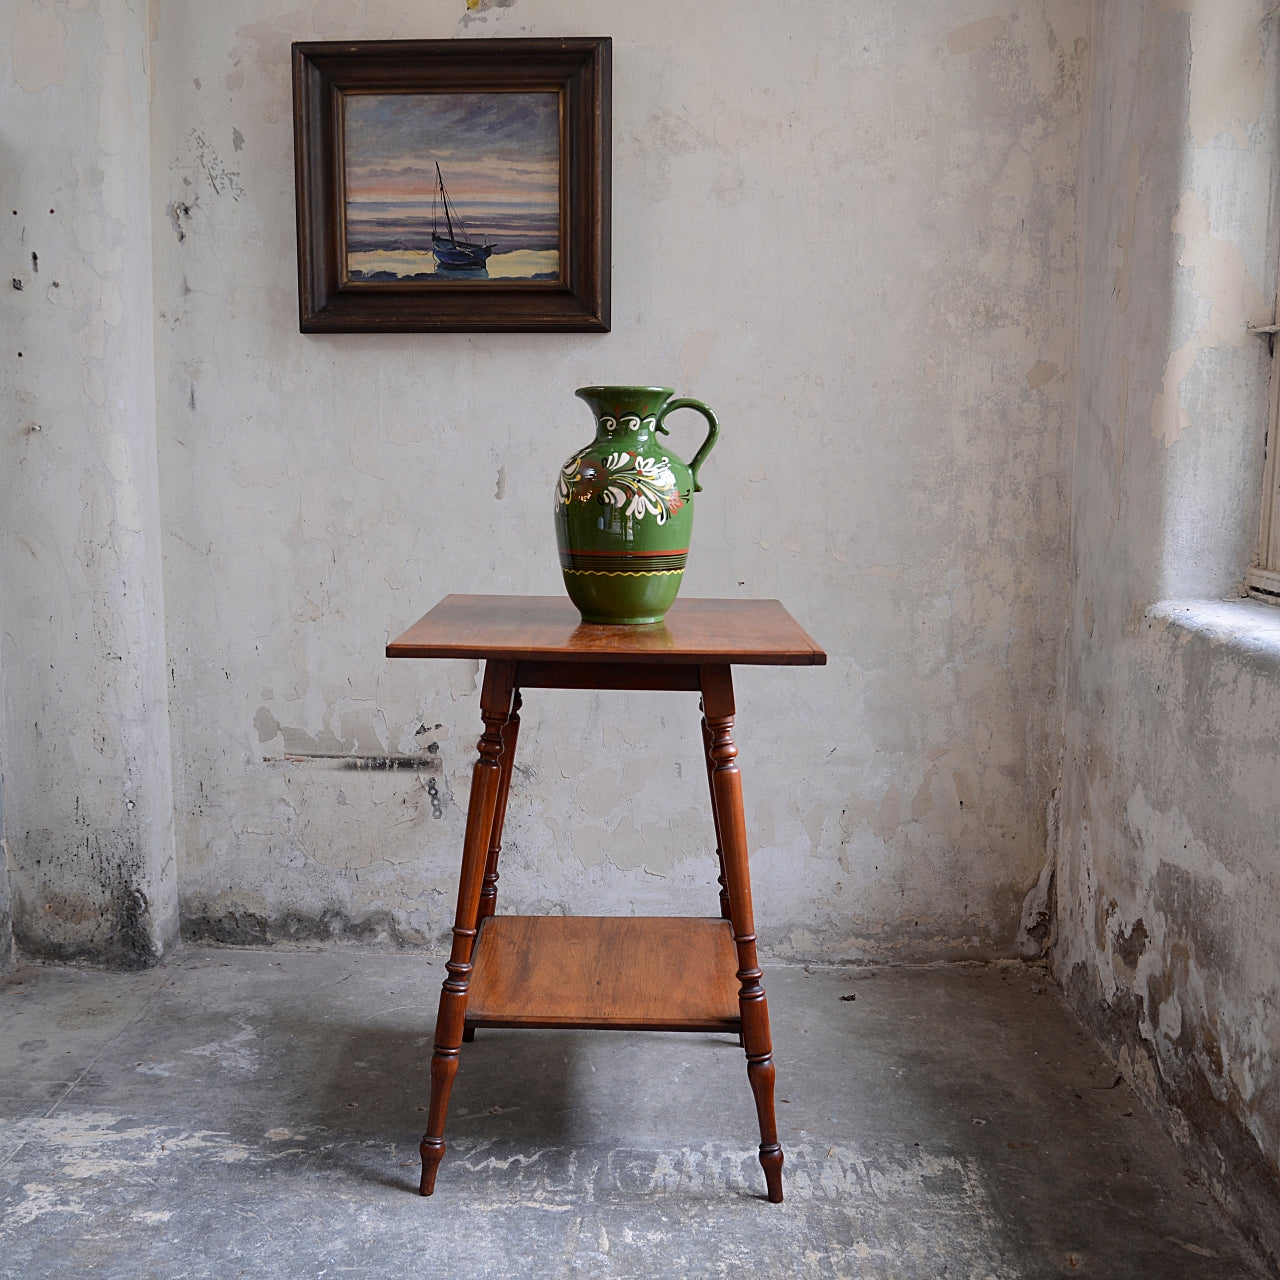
(1041, 928)
(1216, 1141)
(103, 917)
(134, 936)
(1130, 947)
(249, 929)
(124, 938)
(1199, 909)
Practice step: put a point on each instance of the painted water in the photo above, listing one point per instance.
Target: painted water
(393, 241)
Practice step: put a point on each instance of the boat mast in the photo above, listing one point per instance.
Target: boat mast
(444, 197)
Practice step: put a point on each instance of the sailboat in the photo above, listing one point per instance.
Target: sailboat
(450, 250)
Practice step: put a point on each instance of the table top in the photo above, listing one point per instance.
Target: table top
(541, 628)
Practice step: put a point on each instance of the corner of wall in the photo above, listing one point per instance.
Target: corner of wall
(84, 705)
(1167, 894)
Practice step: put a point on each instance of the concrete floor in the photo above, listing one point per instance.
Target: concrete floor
(256, 1113)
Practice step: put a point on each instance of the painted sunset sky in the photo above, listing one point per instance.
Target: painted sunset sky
(498, 153)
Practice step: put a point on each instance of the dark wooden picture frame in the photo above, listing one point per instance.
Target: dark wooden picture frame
(573, 296)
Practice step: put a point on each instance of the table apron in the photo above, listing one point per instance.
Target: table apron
(537, 674)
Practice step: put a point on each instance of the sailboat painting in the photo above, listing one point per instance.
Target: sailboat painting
(452, 186)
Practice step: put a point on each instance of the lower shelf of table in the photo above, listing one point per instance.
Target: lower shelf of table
(654, 973)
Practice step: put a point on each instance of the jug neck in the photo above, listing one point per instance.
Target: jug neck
(625, 410)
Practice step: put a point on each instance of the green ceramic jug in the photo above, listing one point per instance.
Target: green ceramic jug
(624, 506)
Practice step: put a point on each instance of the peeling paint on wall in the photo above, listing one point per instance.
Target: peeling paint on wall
(976, 35)
(1221, 278)
(1228, 76)
(1041, 374)
(38, 47)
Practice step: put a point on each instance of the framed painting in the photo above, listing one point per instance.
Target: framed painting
(452, 185)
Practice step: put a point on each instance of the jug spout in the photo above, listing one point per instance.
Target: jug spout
(618, 402)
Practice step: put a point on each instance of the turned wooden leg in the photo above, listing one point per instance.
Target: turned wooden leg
(489, 892)
(495, 709)
(715, 816)
(510, 732)
(726, 787)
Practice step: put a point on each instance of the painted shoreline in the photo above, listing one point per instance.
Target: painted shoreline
(419, 264)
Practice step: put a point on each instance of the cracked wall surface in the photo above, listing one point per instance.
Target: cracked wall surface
(1167, 889)
(891, 466)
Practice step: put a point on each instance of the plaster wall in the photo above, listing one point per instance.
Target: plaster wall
(88, 804)
(1168, 888)
(875, 289)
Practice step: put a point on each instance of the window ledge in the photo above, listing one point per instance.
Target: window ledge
(1248, 629)
(1264, 584)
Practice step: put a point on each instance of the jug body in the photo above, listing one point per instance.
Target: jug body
(624, 507)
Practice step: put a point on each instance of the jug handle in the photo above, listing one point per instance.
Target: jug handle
(713, 434)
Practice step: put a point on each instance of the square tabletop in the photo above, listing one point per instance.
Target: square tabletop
(548, 628)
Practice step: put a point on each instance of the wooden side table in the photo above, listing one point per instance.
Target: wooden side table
(661, 973)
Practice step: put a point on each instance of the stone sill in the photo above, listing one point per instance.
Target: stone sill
(1247, 629)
